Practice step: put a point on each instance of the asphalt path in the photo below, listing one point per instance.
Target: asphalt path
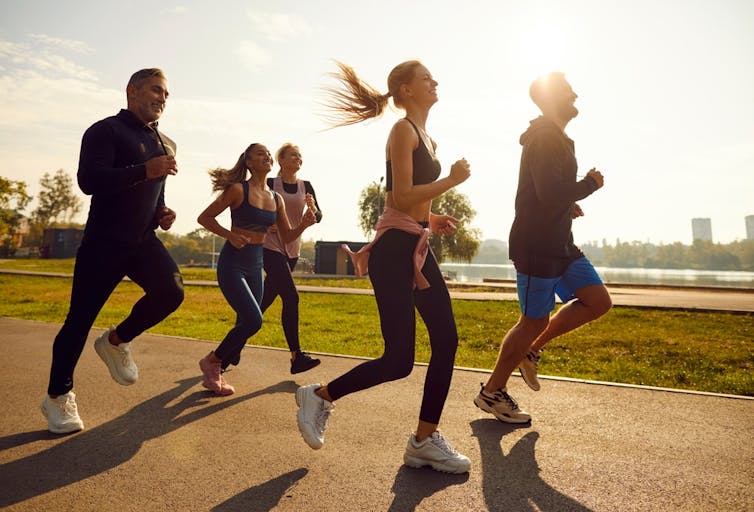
(167, 444)
(692, 299)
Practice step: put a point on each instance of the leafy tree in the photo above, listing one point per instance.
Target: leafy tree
(371, 204)
(57, 200)
(193, 248)
(462, 246)
(13, 200)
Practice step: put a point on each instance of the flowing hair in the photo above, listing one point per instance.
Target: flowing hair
(352, 100)
(223, 178)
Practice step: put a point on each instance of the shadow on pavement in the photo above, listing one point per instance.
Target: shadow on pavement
(412, 485)
(512, 482)
(263, 497)
(106, 446)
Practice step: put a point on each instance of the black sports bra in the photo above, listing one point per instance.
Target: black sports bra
(250, 217)
(426, 167)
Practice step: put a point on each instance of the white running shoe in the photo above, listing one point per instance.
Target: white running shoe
(501, 405)
(118, 359)
(313, 413)
(528, 369)
(62, 414)
(435, 451)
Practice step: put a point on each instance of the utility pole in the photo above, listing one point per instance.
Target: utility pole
(379, 196)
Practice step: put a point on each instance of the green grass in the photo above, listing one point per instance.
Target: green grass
(687, 350)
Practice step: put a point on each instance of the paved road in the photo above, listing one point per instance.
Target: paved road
(696, 299)
(166, 444)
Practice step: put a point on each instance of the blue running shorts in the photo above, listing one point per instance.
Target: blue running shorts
(536, 295)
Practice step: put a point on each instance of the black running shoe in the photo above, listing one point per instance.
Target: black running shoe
(303, 362)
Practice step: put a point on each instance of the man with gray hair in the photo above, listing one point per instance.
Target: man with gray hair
(123, 164)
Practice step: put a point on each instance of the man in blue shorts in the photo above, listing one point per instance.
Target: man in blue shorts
(541, 246)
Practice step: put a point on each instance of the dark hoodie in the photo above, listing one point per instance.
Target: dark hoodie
(541, 242)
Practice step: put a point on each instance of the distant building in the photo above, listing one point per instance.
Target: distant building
(701, 229)
(60, 243)
(749, 227)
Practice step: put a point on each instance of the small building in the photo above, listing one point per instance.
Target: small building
(701, 229)
(330, 258)
(60, 243)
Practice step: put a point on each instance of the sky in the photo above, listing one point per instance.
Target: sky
(665, 97)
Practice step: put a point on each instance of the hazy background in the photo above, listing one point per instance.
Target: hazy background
(665, 94)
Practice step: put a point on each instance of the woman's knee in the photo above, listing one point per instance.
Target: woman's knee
(395, 369)
(290, 297)
(249, 325)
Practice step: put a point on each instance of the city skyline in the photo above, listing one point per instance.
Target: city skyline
(664, 98)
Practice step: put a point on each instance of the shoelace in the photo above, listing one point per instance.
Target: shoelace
(438, 440)
(217, 371)
(321, 419)
(125, 355)
(69, 406)
(504, 396)
(534, 358)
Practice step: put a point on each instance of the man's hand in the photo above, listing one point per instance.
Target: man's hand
(165, 217)
(160, 166)
(596, 176)
(576, 211)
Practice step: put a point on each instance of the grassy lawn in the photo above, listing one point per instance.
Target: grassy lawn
(700, 351)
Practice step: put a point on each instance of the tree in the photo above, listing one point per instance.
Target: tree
(194, 248)
(57, 200)
(371, 204)
(462, 246)
(13, 200)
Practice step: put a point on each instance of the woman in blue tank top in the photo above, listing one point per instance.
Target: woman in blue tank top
(254, 208)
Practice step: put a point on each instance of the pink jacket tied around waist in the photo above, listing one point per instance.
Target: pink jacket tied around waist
(395, 219)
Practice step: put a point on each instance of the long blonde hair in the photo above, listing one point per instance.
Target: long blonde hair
(353, 100)
(223, 178)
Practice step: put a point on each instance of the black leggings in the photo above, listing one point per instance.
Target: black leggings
(98, 269)
(391, 271)
(279, 281)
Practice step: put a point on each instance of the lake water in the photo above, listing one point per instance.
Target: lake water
(475, 273)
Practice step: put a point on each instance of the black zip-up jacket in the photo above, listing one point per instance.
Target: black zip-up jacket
(112, 170)
(541, 242)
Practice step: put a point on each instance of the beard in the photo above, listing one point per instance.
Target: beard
(567, 111)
